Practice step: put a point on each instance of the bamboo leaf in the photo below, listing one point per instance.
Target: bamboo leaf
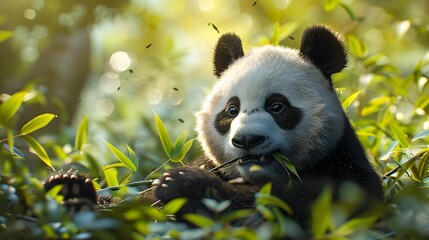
(185, 149)
(355, 47)
(407, 166)
(399, 135)
(282, 32)
(81, 134)
(133, 157)
(111, 176)
(423, 166)
(287, 163)
(174, 205)
(346, 103)
(121, 157)
(114, 165)
(265, 211)
(39, 150)
(420, 135)
(266, 189)
(229, 217)
(321, 213)
(330, 5)
(10, 107)
(54, 193)
(14, 151)
(163, 135)
(178, 144)
(37, 123)
(356, 224)
(270, 200)
(199, 220)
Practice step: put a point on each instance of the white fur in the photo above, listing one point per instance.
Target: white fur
(252, 79)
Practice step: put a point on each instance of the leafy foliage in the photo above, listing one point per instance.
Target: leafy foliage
(384, 90)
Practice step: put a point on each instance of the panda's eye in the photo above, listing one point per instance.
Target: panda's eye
(277, 107)
(232, 111)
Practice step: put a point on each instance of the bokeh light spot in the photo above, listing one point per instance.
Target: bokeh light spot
(105, 107)
(154, 96)
(110, 82)
(120, 61)
(29, 14)
(206, 5)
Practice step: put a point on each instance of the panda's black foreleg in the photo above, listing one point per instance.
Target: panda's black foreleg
(194, 184)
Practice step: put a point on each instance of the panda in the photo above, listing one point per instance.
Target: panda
(274, 101)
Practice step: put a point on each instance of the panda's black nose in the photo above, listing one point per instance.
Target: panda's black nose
(247, 141)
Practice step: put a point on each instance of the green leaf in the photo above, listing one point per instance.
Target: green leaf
(330, 5)
(282, 32)
(355, 47)
(266, 189)
(39, 150)
(230, 217)
(114, 165)
(270, 200)
(81, 134)
(265, 211)
(163, 135)
(14, 151)
(349, 10)
(111, 176)
(37, 123)
(54, 193)
(4, 35)
(407, 166)
(420, 135)
(122, 157)
(399, 135)
(346, 103)
(174, 205)
(185, 149)
(133, 157)
(354, 225)
(178, 144)
(423, 165)
(321, 213)
(287, 163)
(10, 107)
(199, 220)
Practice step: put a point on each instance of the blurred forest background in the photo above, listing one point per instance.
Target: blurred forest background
(116, 62)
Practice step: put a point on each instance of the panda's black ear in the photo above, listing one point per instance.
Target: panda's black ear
(324, 48)
(228, 49)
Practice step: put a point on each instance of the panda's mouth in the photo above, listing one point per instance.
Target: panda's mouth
(258, 159)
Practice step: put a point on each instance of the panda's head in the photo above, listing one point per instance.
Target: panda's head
(273, 100)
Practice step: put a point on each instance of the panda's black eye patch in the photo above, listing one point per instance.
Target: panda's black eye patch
(224, 118)
(284, 114)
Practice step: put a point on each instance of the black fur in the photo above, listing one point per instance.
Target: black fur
(322, 47)
(228, 49)
(224, 118)
(289, 117)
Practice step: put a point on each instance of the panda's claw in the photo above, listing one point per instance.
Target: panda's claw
(156, 182)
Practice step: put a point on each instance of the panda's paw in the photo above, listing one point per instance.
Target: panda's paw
(189, 182)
